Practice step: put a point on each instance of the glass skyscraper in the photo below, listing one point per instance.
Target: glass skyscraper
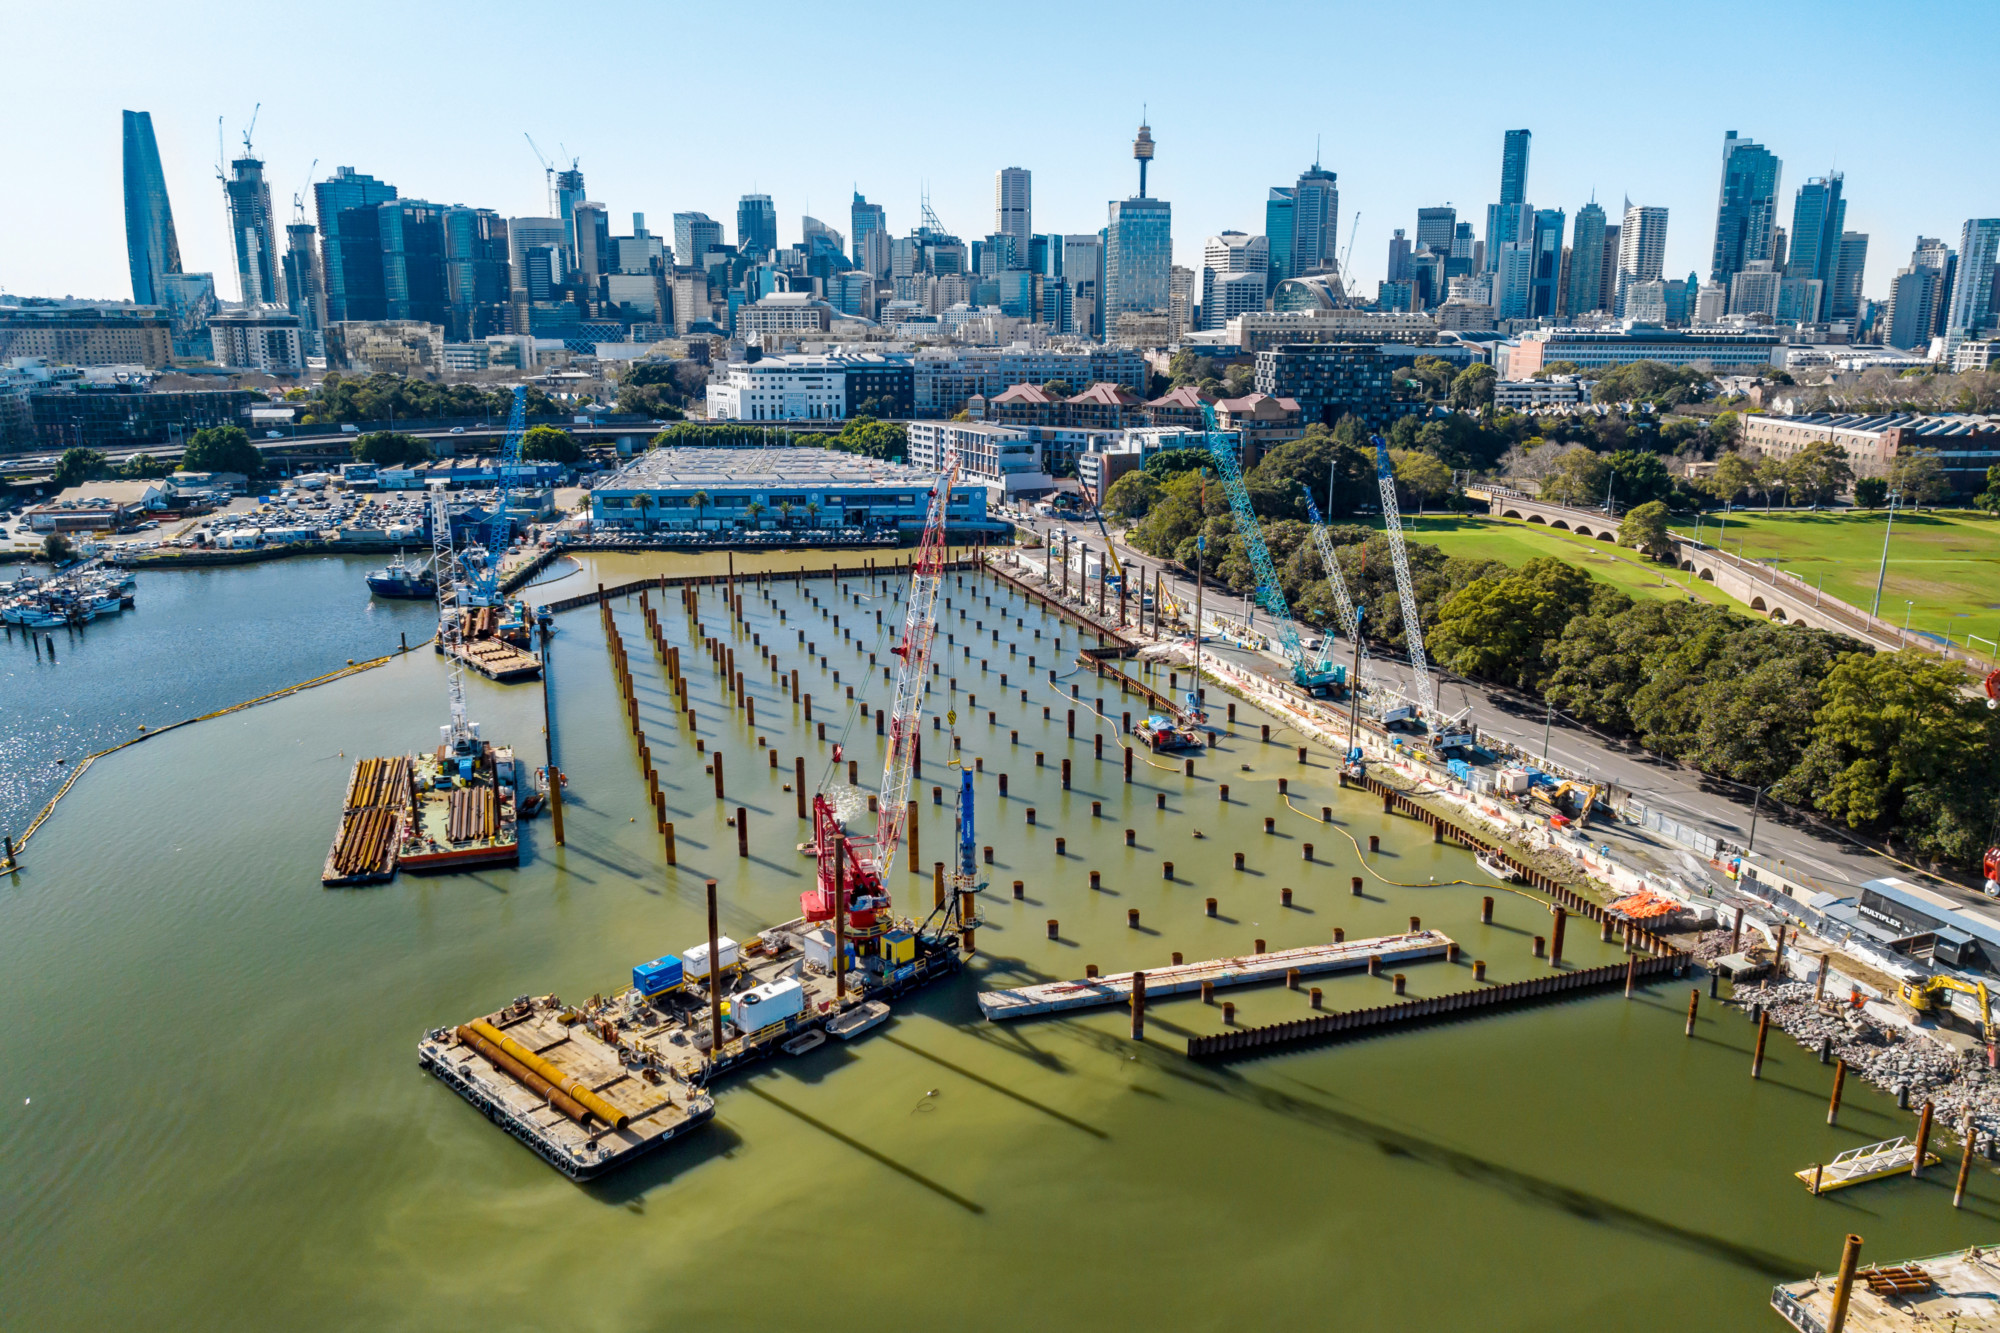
(1138, 257)
(1586, 262)
(1280, 214)
(345, 191)
(1514, 168)
(1748, 208)
(756, 224)
(1544, 298)
(150, 247)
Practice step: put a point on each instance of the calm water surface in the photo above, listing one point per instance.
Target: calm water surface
(211, 1114)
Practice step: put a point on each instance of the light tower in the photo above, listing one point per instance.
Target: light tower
(1142, 153)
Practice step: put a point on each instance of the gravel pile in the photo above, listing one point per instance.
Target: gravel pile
(1887, 1057)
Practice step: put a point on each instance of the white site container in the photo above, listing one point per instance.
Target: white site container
(695, 961)
(1513, 781)
(818, 945)
(759, 1007)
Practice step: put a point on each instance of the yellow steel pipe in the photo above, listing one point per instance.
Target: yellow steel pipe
(572, 1087)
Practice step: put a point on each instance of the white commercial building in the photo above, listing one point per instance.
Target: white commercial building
(1529, 395)
(717, 489)
(780, 388)
(264, 338)
(1007, 458)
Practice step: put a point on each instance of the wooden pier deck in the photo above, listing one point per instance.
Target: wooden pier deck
(1247, 970)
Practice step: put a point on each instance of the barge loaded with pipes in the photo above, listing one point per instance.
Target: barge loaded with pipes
(593, 1086)
(455, 808)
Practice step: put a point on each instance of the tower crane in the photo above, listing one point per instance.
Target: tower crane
(1349, 622)
(484, 581)
(859, 870)
(1446, 733)
(1309, 674)
(548, 171)
(461, 738)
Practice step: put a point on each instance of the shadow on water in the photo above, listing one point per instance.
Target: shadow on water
(663, 1165)
(1004, 1091)
(907, 1172)
(1389, 1139)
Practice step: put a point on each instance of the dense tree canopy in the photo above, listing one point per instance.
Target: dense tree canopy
(386, 448)
(550, 445)
(381, 397)
(222, 449)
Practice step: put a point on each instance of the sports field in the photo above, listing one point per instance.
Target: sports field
(1943, 571)
(1516, 543)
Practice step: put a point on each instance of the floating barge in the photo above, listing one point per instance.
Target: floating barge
(593, 1087)
(1251, 969)
(1959, 1291)
(494, 641)
(372, 817)
(463, 814)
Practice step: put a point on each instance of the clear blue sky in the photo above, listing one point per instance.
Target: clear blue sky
(687, 107)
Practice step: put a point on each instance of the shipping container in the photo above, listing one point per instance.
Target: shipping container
(762, 1006)
(657, 977)
(696, 959)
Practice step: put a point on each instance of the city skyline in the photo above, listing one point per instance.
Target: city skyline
(1897, 189)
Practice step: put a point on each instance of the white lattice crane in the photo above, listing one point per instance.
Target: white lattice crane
(1446, 733)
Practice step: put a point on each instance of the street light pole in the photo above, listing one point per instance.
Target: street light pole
(1756, 804)
(1548, 724)
(1882, 570)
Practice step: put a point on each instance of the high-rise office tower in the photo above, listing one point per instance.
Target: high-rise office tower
(1013, 208)
(1280, 213)
(1316, 222)
(253, 233)
(1586, 261)
(1436, 228)
(1747, 210)
(1510, 219)
(478, 278)
(534, 265)
(1399, 256)
(756, 224)
(590, 224)
(1817, 220)
(1513, 280)
(865, 220)
(1913, 301)
(1642, 247)
(305, 291)
(1544, 284)
(1607, 278)
(1933, 253)
(569, 193)
(1083, 273)
(693, 234)
(1843, 297)
(343, 192)
(1972, 301)
(1514, 167)
(1138, 254)
(1232, 252)
(150, 246)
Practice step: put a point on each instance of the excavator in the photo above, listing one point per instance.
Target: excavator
(1921, 998)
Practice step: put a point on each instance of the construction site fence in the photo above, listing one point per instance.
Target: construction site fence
(802, 573)
(1702, 844)
(1459, 1002)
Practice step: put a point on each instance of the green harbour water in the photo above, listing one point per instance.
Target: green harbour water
(211, 1113)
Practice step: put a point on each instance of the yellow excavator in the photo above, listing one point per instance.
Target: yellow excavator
(1921, 997)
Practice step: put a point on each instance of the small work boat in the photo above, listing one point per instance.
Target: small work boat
(1494, 866)
(851, 1023)
(402, 580)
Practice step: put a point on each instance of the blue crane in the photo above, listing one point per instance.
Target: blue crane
(485, 580)
(1448, 733)
(1308, 673)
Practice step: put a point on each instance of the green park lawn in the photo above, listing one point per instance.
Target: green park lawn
(1943, 572)
(1516, 543)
